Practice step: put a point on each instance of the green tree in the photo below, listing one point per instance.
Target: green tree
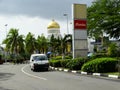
(21, 44)
(14, 45)
(60, 45)
(12, 40)
(113, 50)
(64, 43)
(30, 43)
(53, 44)
(42, 45)
(104, 16)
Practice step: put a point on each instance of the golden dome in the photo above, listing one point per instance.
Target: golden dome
(53, 24)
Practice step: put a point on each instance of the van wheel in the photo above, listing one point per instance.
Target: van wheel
(46, 69)
(33, 69)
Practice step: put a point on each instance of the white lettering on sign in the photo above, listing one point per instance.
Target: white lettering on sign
(80, 24)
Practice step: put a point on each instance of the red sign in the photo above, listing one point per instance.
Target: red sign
(80, 24)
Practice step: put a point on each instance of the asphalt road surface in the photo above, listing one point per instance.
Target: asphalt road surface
(20, 77)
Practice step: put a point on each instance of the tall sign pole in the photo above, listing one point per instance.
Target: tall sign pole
(79, 17)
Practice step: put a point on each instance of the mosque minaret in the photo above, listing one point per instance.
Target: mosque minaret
(53, 28)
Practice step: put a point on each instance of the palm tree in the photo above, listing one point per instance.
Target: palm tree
(21, 44)
(11, 41)
(54, 44)
(14, 45)
(30, 43)
(60, 45)
(42, 44)
(64, 43)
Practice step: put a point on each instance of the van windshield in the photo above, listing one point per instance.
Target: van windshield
(39, 58)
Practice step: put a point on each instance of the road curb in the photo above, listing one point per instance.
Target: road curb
(85, 73)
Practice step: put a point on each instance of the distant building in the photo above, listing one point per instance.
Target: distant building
(53, 28)
(98, 43)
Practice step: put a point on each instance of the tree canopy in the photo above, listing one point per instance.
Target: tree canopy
(21, 47)
(104, 16)
(14, 41)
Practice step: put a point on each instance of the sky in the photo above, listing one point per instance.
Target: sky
(34, 15)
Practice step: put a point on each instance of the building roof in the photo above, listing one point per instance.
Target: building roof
(53, 24)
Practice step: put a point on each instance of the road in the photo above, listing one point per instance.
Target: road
(20, 77)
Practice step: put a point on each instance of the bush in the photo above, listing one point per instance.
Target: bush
(98, 55)
(64, 62)
(100, 65)
(18, 59)
(57, 58)
(60, 57)
(113, 50)
(55, 63)
(68, 57)
(76, 64)
(59, 63)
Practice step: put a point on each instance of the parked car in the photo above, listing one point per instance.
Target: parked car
(38, 62)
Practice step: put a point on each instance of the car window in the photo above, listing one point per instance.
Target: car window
(39, 58)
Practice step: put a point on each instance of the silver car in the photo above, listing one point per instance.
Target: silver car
(38, 62)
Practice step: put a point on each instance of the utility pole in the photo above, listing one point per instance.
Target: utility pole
(6, 37)
(67, 22)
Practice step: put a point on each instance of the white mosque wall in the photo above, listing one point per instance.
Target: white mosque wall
(53, 31)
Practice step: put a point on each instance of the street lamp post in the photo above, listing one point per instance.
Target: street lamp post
(6, 29)
(67, 23)
(6, 37)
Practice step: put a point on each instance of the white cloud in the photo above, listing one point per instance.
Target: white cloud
(34, 15)
(35, 25)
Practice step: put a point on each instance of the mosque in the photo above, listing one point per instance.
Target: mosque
(53, 28)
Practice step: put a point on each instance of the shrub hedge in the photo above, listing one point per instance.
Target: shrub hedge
(60, 57)
(64, 63)
(56, 58)
(55, 63)
(100, 65)
(77, 63)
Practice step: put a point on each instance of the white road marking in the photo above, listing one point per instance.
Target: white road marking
(22, 69)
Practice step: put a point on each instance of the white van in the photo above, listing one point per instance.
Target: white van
(39, 61)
